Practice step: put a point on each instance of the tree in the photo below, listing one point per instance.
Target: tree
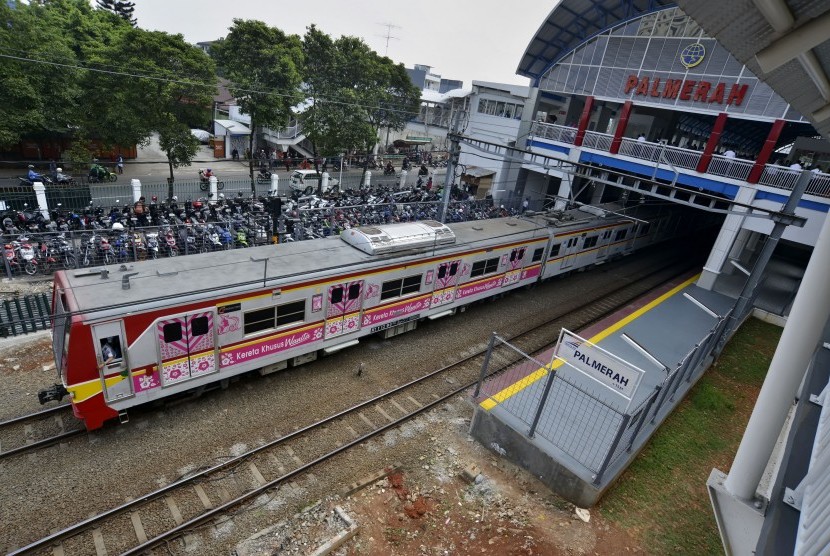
(172, 91)
(264, 67)
(121, 8)
(176, 140)
(354, 92)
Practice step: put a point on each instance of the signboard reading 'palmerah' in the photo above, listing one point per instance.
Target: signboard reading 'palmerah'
(601, 366)
(687, 89)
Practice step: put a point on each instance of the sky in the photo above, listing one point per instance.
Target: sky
(461, 39)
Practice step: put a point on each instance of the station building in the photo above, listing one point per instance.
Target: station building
(636, 90)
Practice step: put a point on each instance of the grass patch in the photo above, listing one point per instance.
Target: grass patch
(661, 499)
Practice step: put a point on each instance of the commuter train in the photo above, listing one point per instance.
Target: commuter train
(145, 331)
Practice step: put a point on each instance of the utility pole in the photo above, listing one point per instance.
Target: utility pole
(388, 35)
(452, 161)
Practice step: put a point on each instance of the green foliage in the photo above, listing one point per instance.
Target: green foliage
(176, 140)
(354, 92)
(702, 433)
(55, 89)
(264, 67)
(121, 8)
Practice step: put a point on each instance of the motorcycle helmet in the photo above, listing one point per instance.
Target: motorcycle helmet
(154, 198)
(208, 169)
(60, 170)
(175, 198)
(31, 166)
(117, 227)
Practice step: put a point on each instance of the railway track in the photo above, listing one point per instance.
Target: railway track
(25, 314)
(181, 508)
(37, 430)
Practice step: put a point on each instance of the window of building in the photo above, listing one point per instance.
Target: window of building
(400, 287)
(486, 266)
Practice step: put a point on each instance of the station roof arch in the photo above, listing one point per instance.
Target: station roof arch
(571, 23)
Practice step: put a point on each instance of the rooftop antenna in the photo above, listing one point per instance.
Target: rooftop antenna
(388, 35)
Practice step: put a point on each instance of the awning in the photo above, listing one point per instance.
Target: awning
(231, 127)
(412, 141)
(476, 172)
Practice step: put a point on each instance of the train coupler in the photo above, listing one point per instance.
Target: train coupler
(54, 393)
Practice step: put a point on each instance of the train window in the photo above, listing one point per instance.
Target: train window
(645, 228)
(453, 268)
(259, 320)
(172, 332)
(537, 254)
(607, 234)
(522, 252)
(290, 312)
(442, 271)
(337, 295)
(199, 326)
(590, 242)
(620, 235)
(484, 267)
(555, 249)
(354, 291)
(513, 255)
(411, 284)
(401, 286)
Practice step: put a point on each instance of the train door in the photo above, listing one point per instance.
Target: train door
(343, 311)
(570, 249)
(514, 266)
(446, 279)
(187, 347)
(605, 239)
(110, 352)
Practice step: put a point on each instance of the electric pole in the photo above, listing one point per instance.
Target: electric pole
(452, 161)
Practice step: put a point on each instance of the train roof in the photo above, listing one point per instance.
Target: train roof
(166, 281)
(209, 275)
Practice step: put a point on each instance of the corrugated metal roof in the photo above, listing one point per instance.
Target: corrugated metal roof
(741, 28)
(235, 128)
(477, 172)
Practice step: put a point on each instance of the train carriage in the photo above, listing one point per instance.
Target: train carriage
(142, 332)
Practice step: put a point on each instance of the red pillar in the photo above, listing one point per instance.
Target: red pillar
(714, 139)
(583, 121)
(766, 152)
(622, 123)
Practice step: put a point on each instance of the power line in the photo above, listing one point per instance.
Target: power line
(389, 108)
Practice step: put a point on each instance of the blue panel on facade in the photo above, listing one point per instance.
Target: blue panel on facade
(809, 205)
(549, 146)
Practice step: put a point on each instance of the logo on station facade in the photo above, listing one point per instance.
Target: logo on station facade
(692, 55)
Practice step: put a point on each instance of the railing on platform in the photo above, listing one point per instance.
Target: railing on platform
(779, 177)
(590, 432)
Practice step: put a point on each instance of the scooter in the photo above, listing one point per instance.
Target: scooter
(264, 176)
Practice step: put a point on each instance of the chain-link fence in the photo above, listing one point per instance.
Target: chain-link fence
(580, 423)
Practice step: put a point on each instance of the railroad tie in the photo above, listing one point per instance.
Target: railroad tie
(399, 407)
(277, 462)
(385, 415)
(140, 535)
(257, 475)
(366, 420)
(293, 456)
(352, 431)
(98, 539)
(415, 402)
(200, 492)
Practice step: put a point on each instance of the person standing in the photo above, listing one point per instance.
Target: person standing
(119, 163)
(286, 161)
(525, 204)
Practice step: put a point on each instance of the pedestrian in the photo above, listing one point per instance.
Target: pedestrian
(52, 167)
(286, 161)
(795, 166)
(247, 154)
(140, 211)
(641, 138)
(235, 154)
(119, 163)
(729, 153)
(525, 204)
